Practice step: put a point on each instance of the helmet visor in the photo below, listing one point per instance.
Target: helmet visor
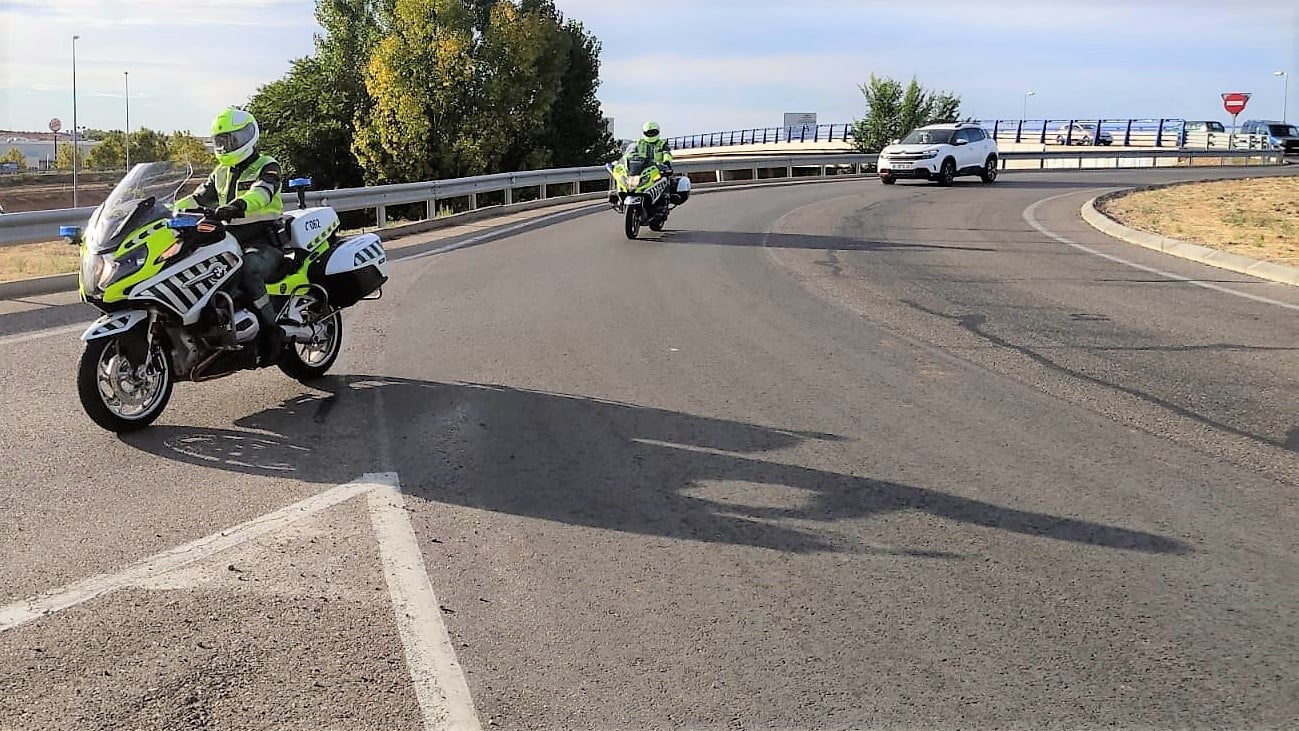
(652, 132)
(231, 141)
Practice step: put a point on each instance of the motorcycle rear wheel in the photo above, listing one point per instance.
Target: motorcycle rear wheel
(310, 361)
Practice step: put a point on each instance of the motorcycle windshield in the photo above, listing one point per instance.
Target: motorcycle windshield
(637, 165)
(142, 196)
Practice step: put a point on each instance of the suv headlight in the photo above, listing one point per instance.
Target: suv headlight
(929, 154)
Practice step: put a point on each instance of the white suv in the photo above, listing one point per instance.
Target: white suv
(940, 152)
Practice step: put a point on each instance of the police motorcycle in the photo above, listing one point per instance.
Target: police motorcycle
(166, 282)
(643, 192)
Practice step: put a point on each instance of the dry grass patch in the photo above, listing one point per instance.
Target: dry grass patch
(1257, 218)
(25, 261)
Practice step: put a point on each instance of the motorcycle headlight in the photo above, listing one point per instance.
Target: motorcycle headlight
(96, 271)
(633, 181)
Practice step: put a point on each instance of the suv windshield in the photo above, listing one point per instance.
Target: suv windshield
(1283, 130)
(929, 137)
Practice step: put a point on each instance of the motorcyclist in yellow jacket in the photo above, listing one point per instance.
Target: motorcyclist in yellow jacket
(245, 187)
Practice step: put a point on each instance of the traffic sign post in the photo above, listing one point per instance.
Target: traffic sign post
(55, 126)
(1234, 102)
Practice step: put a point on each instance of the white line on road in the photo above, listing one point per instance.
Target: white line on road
(24, 611)
(42, 334)
(1031, 218)
(439, 681)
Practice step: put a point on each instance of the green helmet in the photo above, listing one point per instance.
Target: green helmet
(234, 136)
(651, 130)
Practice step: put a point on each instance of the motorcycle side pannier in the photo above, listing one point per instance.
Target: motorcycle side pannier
(355, 269)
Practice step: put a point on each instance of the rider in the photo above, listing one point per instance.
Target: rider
(651, 143)
(246, 186)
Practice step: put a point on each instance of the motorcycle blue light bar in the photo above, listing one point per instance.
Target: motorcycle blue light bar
(182, 222)
(300, 183)
(65, 231)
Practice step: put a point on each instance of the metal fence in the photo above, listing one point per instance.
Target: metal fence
(561, 185)
(1118, 132)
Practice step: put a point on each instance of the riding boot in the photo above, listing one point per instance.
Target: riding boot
(270, 339)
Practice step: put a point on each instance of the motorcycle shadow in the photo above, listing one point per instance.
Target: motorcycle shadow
(593, 462)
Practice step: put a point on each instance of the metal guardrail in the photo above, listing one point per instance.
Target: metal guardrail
(40, 226)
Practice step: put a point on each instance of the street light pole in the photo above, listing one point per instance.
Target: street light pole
(74, 121)
(1027, 94)
(1285, 103)
(127, 75)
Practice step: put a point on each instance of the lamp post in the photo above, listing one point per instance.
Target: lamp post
(74, 121)
(1285, 102)
(127, 76)
(1027, 94)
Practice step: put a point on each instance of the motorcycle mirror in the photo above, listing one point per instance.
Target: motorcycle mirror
(71, 234)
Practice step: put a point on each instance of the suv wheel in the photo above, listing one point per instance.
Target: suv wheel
(989, 172)
(947, 173)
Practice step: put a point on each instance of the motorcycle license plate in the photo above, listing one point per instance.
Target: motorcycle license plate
(633, 200)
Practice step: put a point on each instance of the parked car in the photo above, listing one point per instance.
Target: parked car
(1268, 134)
(1204, 133)
(1083, 133)
(940, 152)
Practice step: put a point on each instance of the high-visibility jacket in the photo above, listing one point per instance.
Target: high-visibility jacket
(255, 181)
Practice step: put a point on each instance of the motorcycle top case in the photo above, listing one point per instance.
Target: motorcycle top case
(355, 269)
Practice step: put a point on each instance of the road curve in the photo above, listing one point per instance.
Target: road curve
(831, 455)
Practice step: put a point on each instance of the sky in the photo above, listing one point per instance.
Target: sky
(696, 65)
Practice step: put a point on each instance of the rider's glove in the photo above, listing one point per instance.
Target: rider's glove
(231, 211)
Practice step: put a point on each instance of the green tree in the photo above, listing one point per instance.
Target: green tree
(148, 145)
(109, 154)
(521, 59)
(15, 155)
(576, 131)
(63, 161)
(421, 79)
(185, 147)
(307, 117)
(892, 111)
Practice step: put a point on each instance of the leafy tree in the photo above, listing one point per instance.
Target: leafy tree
(185, 147)
(521, 61)
(15, 155)
(421, 79)
(148, 145)
(576, 131)
(109, 154)
(63, 161)
(307, 117)
(892, 111)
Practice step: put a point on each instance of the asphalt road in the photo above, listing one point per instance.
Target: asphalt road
(822, 456)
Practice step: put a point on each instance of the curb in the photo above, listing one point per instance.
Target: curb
(1239, 263)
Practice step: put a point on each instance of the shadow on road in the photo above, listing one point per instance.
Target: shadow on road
(583, 461)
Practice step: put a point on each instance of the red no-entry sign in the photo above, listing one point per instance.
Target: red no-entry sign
(1234, 102)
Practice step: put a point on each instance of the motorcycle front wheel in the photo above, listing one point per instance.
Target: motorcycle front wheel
(632, 229)
(119, 395)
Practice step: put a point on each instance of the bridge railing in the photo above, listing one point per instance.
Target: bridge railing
(544, 187)
(1121, 132)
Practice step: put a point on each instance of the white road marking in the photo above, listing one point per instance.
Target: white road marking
(1031, 219)
(26, 610)
(42, 334)
(439, 681)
